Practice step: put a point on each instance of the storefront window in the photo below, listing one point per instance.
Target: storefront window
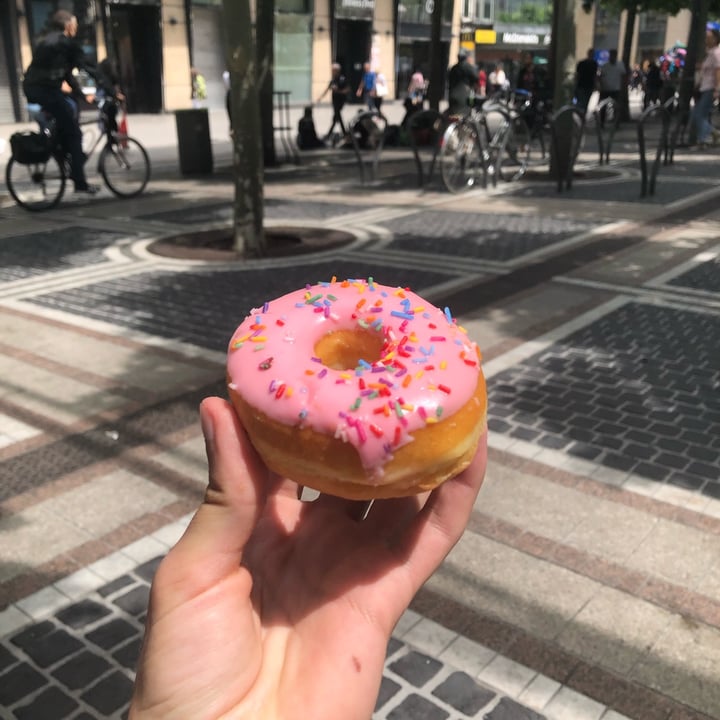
(293, 55)
(41, 12)
(478, 11)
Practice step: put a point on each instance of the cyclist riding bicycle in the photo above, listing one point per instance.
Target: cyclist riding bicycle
(54, 59)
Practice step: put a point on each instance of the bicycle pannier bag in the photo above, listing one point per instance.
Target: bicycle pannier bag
(29, 147)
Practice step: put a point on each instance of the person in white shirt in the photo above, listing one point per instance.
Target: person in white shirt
(709, 90)
(497, 80)
(611, 77)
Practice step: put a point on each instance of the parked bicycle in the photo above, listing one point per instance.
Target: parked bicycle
(500, 137)
(39, 168)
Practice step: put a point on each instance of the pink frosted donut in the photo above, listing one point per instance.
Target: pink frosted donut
(358, 389)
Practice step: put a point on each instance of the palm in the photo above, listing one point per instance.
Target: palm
(306, 636)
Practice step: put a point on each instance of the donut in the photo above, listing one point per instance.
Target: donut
(358, 389)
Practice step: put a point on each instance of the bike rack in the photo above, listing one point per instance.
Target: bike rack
(662, 150)
(566, 127)
(420, 123)
(605, 135)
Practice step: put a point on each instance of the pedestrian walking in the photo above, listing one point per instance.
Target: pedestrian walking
(708, 91)
(653, 85)
(585, 80)
(339, 89)
(381, 92)
(612, 76)
(462, 81)
(366, 89)
(198, 92)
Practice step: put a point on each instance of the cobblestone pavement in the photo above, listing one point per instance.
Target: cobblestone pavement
(587, 585)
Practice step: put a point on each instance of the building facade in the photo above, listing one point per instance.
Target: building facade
(154, 43)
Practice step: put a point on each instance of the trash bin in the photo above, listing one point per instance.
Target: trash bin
(194, 148)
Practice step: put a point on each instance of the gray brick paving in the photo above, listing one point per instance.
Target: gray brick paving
(636, 390)
(668, 189)
(203, 213)
(80, 664)
(35, 254)
(704, 276)
(498, 237)
(203, 308)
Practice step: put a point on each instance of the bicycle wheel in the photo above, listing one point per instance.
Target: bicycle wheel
(125, 167)
(460, 157)
(515, 154)
(38, 186)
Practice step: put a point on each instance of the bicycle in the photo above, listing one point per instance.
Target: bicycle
(39, 168)
(463, 152)
(501, 137)
(525, 146)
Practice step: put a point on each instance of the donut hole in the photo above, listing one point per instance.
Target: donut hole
(343, 349)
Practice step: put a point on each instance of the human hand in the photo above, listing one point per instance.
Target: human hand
(269, 608)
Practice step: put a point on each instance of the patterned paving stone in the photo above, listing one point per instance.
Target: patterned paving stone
(274, 209)
(667, 190)
(416, 668)
(704, 276)
(498, 237)
(637, 391)
(26, 256)
(508, 709)
(204, 308)
(91, 677)
(48, 705)
(463, 693)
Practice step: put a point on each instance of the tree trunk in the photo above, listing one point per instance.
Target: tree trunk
(249, 237)
(631, 15)
(695, 48)
(436, 89)
(265, 42)
(562, 63)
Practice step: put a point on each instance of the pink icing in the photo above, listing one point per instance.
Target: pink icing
(427, 371)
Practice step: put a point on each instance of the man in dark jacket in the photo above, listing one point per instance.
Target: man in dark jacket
(339, 87)
(462, 81)
(586, 80)
(54, 59)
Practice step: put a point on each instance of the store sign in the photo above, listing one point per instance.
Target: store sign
(485, 37)
(358, 9)
(521, 38)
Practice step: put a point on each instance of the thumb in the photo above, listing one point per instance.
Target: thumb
(212, 546)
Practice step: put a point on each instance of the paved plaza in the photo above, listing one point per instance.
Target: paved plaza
(587, 584)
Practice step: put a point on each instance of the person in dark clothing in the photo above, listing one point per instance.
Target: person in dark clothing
(653, 85)
(462, 81)
(108, 89)
(339, 89)
(585, 79)
(54, 59)
(526, 74)
(307, 138)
